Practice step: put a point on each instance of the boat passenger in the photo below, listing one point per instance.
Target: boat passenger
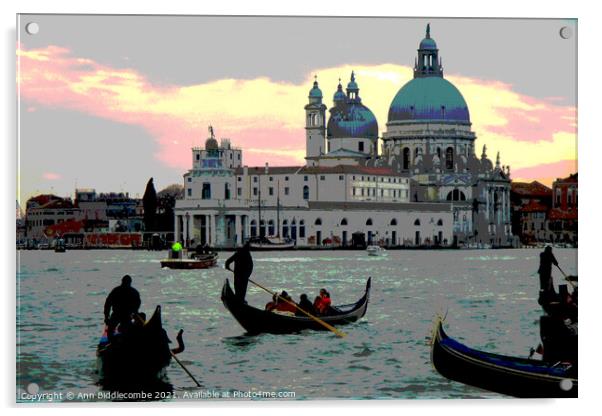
(306, 305)
(243, 267)
(123, 301)
(283, 305)
(270, 306)
(322, 302)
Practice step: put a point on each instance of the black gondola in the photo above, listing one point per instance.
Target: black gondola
(136, 360)
(519, 377)
(256, 321)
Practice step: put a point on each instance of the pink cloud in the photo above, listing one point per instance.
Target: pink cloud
(51, 176)
(545, 173)
(538, 123)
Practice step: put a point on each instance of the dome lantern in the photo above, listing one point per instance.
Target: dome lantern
(428, 63)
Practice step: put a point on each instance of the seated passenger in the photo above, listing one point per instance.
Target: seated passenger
(270, 306)
(284, 306)
(322, 302)
(306, 305)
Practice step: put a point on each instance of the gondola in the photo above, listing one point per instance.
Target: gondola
(136, 360)
(197, 261)
(518, 377)
(256, 321)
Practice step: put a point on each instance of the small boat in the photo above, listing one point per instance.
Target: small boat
(59, 246)
(513, 376)
(256, 321)
(197, 261)
(376, 251)
(135, 361)
(270, 243)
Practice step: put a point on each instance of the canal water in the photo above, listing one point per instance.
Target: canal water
(488, 296)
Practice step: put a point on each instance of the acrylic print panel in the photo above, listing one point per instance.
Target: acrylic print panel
(330, 208)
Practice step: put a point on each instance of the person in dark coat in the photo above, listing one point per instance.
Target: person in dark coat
(123, 301)
(306, 305)
(243, 267)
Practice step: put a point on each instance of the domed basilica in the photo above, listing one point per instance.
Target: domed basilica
(418, 184)
(428, 139)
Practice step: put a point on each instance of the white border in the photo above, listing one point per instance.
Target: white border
(589, 146)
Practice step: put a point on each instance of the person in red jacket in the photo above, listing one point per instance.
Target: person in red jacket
(322, 302)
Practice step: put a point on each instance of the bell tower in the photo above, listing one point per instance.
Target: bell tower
(315, 126)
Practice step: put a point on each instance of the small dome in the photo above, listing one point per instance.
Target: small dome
(428, 43)
(352, 120)
(315, 92)
(211, 144)
(339, 95)
(352, 86)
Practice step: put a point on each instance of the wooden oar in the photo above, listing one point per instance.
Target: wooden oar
(174, 356)
(318, 320)
(185, 369)
(566, 277)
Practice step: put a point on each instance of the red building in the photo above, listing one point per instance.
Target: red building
(563, 215)
(531, 203)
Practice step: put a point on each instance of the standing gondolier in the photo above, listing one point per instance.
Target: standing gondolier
(546, 283)
(123, 301)
(243, 267)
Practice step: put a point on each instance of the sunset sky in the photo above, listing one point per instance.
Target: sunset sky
(107, 102)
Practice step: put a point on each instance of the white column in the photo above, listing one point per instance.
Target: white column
(207, 234)
(213, 230)
(177, 228)
(487, 203)
(238, 230)
(189, 228)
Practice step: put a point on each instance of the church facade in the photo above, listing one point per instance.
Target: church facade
(419, 184)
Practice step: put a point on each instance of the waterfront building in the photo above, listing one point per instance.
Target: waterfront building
(426, 186)
(563, 215)
(530, 205)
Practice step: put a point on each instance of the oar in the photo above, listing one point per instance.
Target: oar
(185, 369)
(174, 356)
(566, 277)
(318, 320)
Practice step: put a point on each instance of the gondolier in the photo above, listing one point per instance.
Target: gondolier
(546, 284)
(243, 267)
(124, 301)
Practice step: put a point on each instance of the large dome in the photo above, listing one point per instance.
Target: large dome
(429, 99)
(352, 120)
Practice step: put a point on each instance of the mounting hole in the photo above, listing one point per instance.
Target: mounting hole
(566, 384)
(566, 32)
(32, 28)
(33, 388)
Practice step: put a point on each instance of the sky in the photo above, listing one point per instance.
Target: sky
(108, 101)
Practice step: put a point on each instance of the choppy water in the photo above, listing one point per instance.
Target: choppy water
(490, 296)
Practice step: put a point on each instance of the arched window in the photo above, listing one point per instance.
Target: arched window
(456, 195)
(253, 228)
(439, 153)
(271, 228)
(393, 221)
(440, 222)
(406, 158)
(369, 221)
(449, 158)
(301, 229)
(344, 221)
(417, 222)
(306, 192)
(405, 163)
(318, 221)
(285, 228)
